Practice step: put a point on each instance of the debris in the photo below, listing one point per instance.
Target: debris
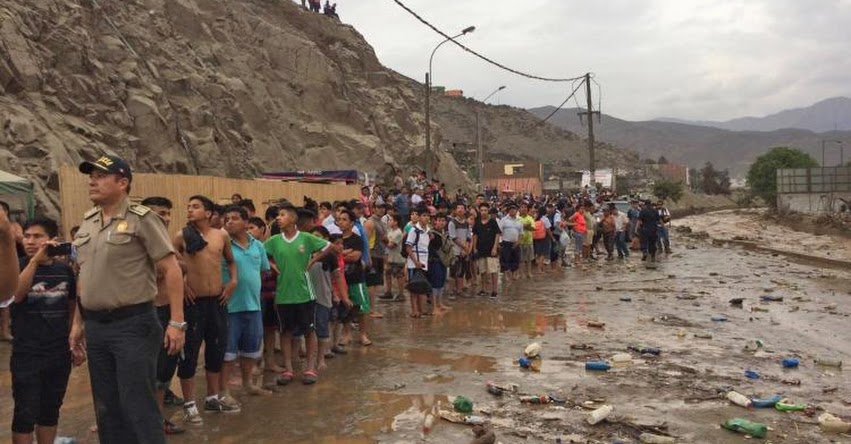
(737, 301)
(703, 335)
(597, 365)
(463, 404)
(581, 347)
(828, 362)
(785, 406)
(431, 377)
(719, 318)
(483, 435)
(649, 438)
(625, 299)
(771, 298)
(543, 399)
(741, 425)
(765, 403)
(622, 358)
(790, 363)
(596, 324)
(600, 414)
(533, 350)
(686, 297)
(739, 399)
(750, 374)
(832, 424)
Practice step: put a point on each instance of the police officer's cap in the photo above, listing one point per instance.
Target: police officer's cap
(109, 164)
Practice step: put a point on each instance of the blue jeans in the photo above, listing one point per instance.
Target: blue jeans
(122, 368)
(663, 238)
(245, 335)
(620, 243)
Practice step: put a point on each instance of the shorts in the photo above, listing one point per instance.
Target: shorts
(527, 253)
(166, 364)
(375, 274)
(296, 318)
(322, 319)
(38, 388)
(207, 322)
(396, 270)
(359, 297)
(589, 238)
(543, 247)
(488, 265)
(509, 257)
(245, 335)
(436, 275)
(270, 316)
(461, 268)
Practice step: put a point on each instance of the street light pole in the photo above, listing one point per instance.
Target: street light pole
(428, 153)
(480, 152)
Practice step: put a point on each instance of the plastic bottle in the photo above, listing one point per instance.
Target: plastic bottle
(703, 335)
(600, 414)
(741, 425)
(543, 399)
(790, 363)
(739, 399)
(597, 365)
(474, 420)
(750, 374)
(649, 438)
(524, 362)
(596, 324)
(828, 362)
(719, 318)
(532, 350)
(494, 389)
(766, 402)
(428, 423)
(791, 381)
(785, 406)
(771, 298)
(832, 424)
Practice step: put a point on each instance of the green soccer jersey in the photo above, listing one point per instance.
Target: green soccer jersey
(292, 256)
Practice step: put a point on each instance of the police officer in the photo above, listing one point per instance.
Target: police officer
(8, 258)
(120, 248)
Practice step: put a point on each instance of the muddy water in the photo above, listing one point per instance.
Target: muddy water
(381, 393)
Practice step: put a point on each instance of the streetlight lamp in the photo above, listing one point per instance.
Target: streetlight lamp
(464, 31)
(480, 152)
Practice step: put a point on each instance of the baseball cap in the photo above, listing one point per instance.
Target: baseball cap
(108, 164)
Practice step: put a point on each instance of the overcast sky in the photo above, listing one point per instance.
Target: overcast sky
(691, 59)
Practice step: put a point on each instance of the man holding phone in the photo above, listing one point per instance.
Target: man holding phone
(41, 318)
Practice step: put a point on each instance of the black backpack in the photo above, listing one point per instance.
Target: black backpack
(404, 251)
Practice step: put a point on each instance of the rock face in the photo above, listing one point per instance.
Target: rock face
(227, 88)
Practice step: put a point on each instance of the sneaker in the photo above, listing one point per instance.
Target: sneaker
(493, 295)
(171, 428)
(221, 405)
(386, 296)
(171, 399)
(339, 350)
(191, 414)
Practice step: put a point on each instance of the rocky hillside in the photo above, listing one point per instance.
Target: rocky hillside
(229, 88)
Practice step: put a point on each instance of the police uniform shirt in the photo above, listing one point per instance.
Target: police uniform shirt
(117, 260)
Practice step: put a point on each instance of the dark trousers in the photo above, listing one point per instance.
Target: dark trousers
(648, 243)
(609, 243)
(621, 244)
(122, 367)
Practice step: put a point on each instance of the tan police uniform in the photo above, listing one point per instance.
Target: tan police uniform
(117, 260)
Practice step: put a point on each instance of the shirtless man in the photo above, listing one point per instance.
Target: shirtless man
(201, 249)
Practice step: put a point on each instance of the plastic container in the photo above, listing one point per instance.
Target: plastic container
(543, 399)
(785, 406)
(741, 425)
(622, 358)
(828, 362)
(790, 363)
(600, 414)
(474, 420)
(533, 350)
(597, 365)
(750, 374)
(649, 438)
(764, 403)
(832, 424)
(739, 399)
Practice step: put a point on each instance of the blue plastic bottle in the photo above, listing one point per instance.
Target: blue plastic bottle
(767, 402)
(597, 365)
(524, 362)
(790, 363)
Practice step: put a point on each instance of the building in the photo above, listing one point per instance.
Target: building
(674, 172)
(814, 190)
(514, 177)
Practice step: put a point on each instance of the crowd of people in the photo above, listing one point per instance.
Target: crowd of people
(304, 278)
(316, 6)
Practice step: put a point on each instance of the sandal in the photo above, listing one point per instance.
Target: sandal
(309, 377)
(285, 378)
(366, 343)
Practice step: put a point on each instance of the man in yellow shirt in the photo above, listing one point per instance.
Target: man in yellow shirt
(527, 252)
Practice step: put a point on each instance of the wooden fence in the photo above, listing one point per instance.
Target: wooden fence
(74, 196)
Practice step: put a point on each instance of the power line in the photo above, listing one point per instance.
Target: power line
(497, 64)
(572, 94)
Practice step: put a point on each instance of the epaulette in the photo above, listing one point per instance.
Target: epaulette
(91, 213)
(139, 210)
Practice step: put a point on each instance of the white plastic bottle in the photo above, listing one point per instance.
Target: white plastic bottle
(739, 399)
(600, 414)
(832, 424)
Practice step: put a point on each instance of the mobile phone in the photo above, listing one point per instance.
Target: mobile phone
(63, 249)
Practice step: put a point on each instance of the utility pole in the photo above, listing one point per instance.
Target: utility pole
(428, 127)
(480, 155)
(592, 162)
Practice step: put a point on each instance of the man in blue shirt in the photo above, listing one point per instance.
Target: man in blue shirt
(245, 320)
(402, 204)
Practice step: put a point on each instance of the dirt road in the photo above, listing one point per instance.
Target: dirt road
(381, 393)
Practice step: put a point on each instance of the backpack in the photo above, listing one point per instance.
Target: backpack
(444, 254)
(404, 251)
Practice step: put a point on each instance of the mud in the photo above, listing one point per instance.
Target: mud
(382, 393)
